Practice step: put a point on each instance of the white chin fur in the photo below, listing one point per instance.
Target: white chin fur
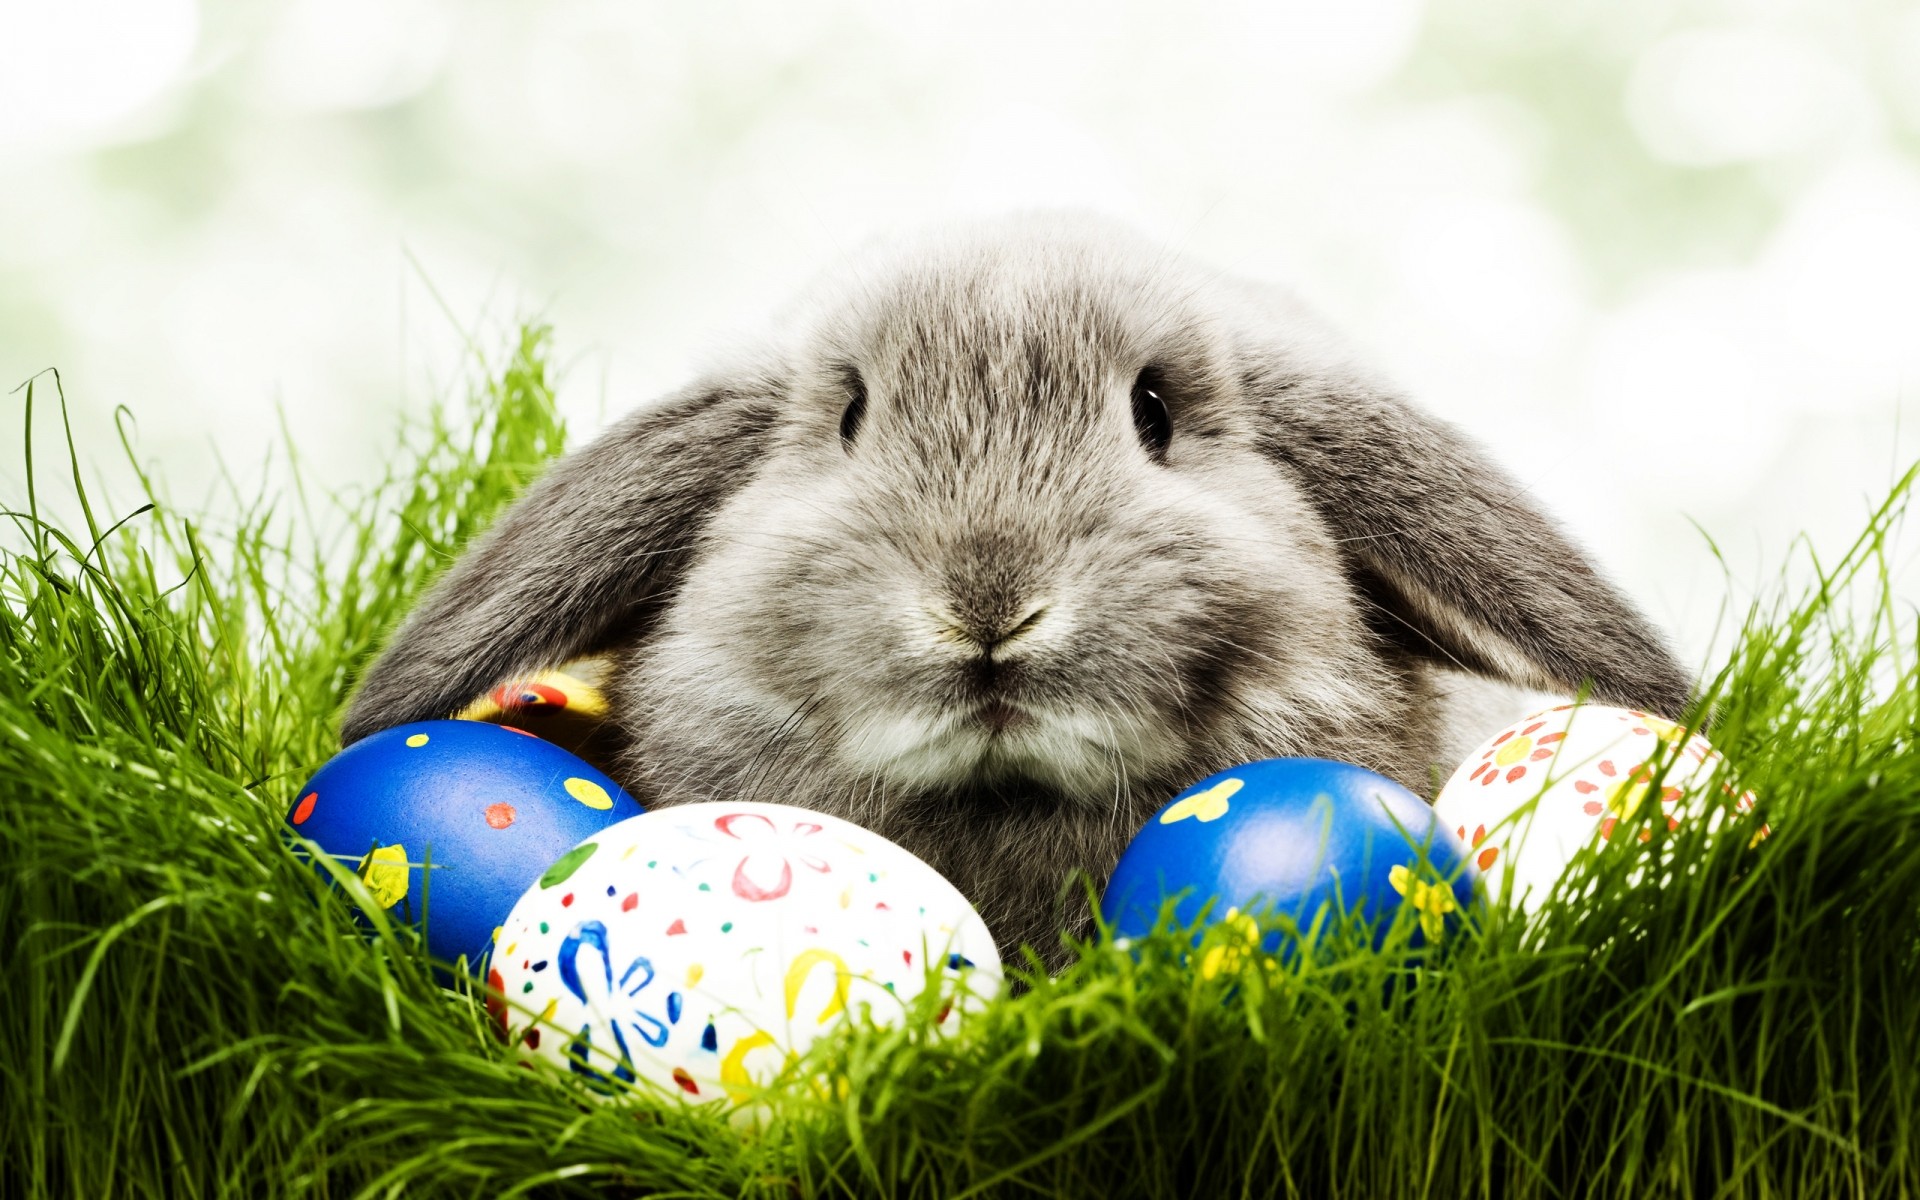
(1079, 754)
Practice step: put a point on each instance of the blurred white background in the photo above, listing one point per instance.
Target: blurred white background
(1662, 257)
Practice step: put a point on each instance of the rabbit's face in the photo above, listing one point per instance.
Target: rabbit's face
(1014, 534)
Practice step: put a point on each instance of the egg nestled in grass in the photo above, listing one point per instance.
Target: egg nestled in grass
(1547, 787)
(1297, 837)
(446, 823)
(698, 949)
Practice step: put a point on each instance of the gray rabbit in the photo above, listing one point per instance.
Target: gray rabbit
(1005, 537)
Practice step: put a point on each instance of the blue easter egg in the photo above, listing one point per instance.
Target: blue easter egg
(1291, 835)
(488, 807)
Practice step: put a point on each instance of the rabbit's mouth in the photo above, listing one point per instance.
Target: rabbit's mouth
(1001, 717)
(997, 742)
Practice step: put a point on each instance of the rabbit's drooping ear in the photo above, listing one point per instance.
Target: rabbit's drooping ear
(576, 562)
(1464, 568)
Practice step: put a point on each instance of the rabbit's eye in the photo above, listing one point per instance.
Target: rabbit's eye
(856, 408)
(1150, 417)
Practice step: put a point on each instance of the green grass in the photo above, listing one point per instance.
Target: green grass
(185, 1013)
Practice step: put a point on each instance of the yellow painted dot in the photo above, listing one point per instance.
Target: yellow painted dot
(384, 871)
(1514, 751)
(694, 973)
(417, 740)
(1663, 729)
(1241, 935)
(512, 946)
(553, 1005)
(589, 793)
(1209, 805)
(496, 935)
(1624, 797)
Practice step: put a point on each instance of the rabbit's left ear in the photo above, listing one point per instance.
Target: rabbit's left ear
(1463, 567)
(587, 557)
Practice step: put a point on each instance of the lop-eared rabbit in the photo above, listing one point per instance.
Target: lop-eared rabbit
(1005, 536)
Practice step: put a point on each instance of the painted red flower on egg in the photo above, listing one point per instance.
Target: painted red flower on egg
(765, 871)
(1511, 752)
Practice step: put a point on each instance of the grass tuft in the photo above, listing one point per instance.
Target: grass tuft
(189, 1013)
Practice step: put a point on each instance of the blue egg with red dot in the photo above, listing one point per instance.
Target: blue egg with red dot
(448, 822)
(1294, 837)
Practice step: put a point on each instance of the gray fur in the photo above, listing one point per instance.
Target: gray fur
(804, 621)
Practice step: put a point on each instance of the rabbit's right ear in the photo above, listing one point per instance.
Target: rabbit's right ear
(1455, 559)
(582, 558)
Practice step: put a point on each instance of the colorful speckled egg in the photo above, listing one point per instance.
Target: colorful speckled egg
(1298, 835)
(698, 948)
(1551, 784)
(487, 806)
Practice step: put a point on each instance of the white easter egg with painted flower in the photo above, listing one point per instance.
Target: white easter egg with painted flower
(1552, 784)
(700, 947)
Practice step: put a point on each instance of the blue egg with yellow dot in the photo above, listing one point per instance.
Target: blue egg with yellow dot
(1297, 837)
(448, 822)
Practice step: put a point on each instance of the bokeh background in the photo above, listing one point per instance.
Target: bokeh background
(1662, 257)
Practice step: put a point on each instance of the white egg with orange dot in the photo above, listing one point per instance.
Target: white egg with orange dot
(1554, 783)
(700, 948)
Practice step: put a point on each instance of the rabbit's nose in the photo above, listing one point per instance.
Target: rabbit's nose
(989, 630)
